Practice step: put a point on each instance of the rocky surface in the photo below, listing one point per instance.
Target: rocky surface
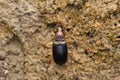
(92, 32)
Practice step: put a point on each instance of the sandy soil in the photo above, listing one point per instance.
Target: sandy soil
(92, 32)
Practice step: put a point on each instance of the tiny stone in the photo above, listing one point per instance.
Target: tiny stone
(2, 55)
(2, 78)
(77, 78)
(1, 72)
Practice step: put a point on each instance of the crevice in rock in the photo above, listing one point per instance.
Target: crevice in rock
(118, 36)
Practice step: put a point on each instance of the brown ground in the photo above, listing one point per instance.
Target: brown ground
(91, 27)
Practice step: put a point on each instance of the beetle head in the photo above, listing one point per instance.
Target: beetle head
(59, 35)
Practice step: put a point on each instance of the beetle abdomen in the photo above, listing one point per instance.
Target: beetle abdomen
(60, 53)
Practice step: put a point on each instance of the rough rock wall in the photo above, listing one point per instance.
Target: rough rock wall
(92, 32)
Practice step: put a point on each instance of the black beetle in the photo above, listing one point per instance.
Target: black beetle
(59, 48)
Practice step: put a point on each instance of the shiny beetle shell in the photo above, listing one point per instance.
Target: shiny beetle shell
(60, 53)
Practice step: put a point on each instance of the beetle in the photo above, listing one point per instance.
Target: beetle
(59, 48)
